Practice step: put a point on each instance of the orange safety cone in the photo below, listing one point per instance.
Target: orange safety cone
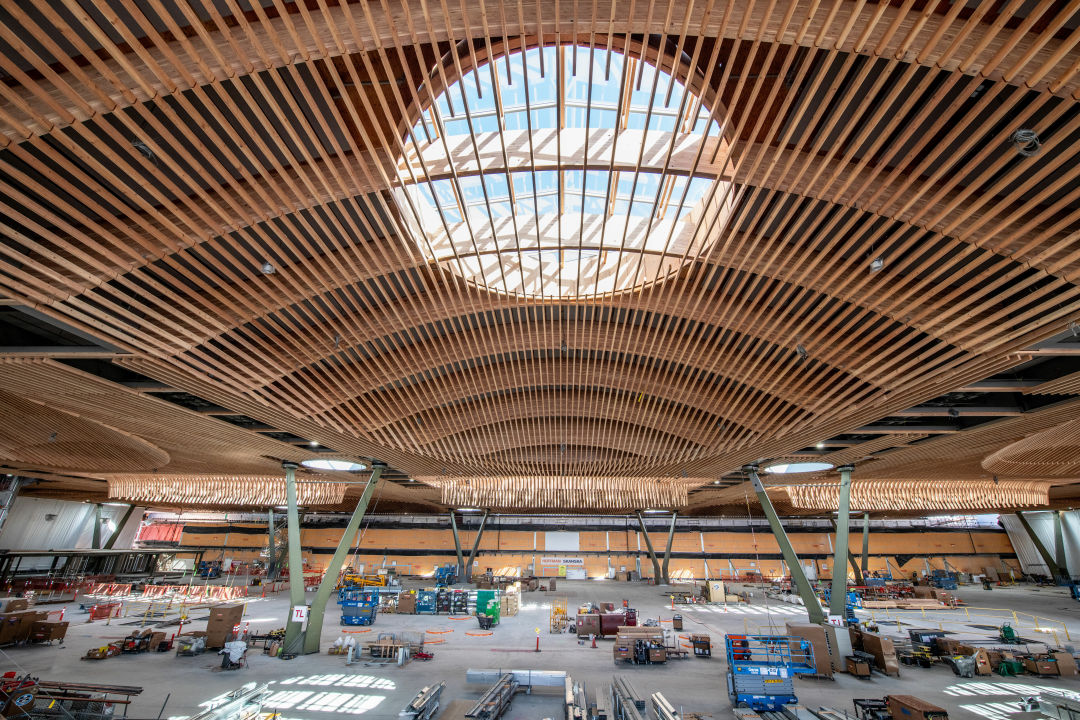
(593, 640)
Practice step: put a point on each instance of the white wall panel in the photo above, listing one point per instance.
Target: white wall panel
(561, 542)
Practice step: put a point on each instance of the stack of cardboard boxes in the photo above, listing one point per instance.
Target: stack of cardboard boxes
(222, 623)
(15, 627)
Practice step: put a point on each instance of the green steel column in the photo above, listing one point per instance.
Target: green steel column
(798, 575)
(271, 547)
(333, 570)
(119, 526)
(1051, 565)
(293, 630)
(1059, 547)
(865, 543)
(475, 547)
(657, 573)
(457, 548)
(667, 552)
(95, 539)
(838, 597)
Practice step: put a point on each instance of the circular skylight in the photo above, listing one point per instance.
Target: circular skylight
(563, 172)
(798, 467)
(336, 465)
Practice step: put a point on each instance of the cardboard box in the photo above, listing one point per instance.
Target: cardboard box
(588, 624)
(884, 652)
(13, 604)
(1041, 666)
(45, 631)
(856, 666)
(982, 663)
(406, 604)
(909, 707)
(219, 627)
(1066, 663)
(815, 635)
(15, 627)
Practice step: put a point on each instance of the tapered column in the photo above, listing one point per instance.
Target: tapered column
(293, 642)
(271, 546)
(333, 570)
(838, 596)
(667, 551)
(798, 575)
(457, 548)
(1051, 564)
(475, 547)
(657, 572)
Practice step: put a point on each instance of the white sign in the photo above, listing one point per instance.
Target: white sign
(299, 613)
(838, 620)
(552, 561)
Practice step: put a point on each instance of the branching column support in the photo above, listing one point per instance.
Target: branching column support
(475, 547)
(1051, 564)
(657, 573)
(457, 548)
(838, 596)
(333, 570)
(798, 575)
(293, 629)
(667, 551)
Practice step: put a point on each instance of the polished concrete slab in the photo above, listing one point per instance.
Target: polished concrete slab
(321, 686)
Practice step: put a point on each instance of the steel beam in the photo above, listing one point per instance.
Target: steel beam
(798, 575)
(119, 526)
(838, 596)
(333, 570)
(667, 552)
(657, 572)
(1051, 564)
(293, 642)
(457, 548)
(475, 547)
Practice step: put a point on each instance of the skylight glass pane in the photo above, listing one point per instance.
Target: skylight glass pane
(539, 174)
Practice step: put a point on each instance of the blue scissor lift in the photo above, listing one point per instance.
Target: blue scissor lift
(359, 606)
(761, 669)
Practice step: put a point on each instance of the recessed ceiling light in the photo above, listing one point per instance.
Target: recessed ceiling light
(877, 263)
(715, 482)
(820, 446)
(267, 268)
(338, 465)
(314, 443)
(798, 467)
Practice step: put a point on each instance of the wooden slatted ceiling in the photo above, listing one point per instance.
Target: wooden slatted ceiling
(154, 162)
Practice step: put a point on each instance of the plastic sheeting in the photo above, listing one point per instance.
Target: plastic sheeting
(1042, 522)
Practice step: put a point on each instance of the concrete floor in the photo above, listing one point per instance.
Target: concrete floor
(322, 686)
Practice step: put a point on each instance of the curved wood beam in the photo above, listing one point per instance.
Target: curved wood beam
(318, 366)
(216, 52)
(606, 375)
(645, 442)
(578, 403)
